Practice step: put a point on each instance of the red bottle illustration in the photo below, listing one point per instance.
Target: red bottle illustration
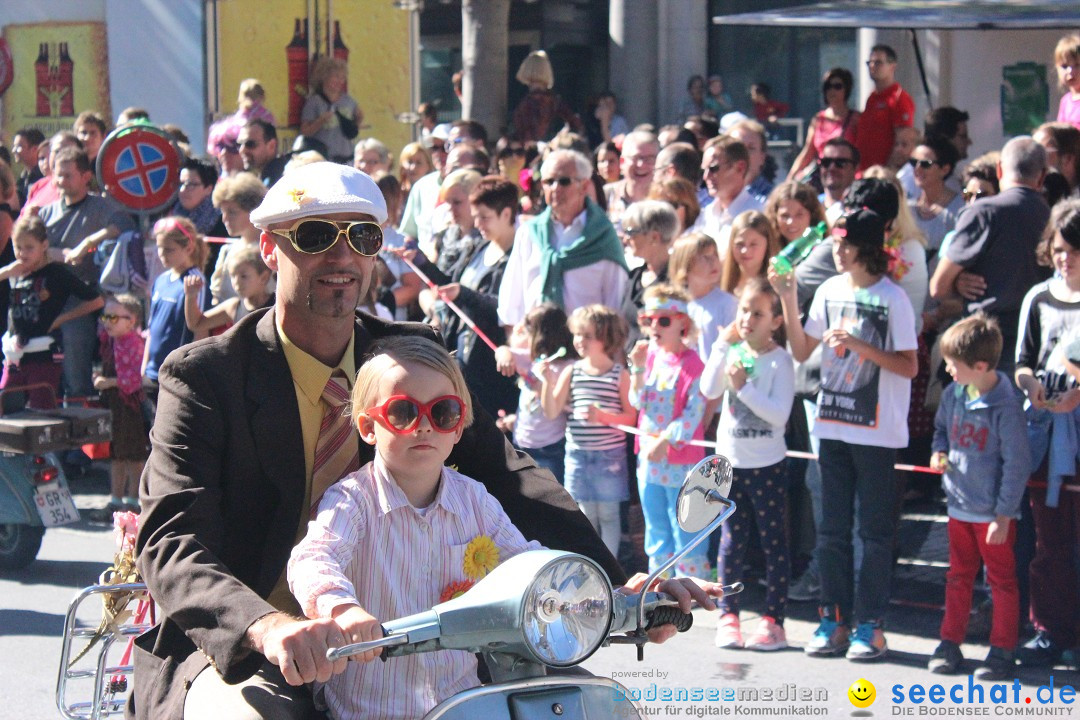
(296, 57)
(41, 73)
(340, 51)
(66, 81)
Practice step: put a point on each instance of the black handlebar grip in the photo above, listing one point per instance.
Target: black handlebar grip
(669, 615)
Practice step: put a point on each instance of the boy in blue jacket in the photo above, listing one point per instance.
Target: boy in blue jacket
(980, 442)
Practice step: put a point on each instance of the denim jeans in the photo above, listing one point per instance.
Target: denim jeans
(663, 536)
(856, 478)
(80, 343)
(551, 457)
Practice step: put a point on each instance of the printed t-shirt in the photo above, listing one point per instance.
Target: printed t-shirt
(859, 402)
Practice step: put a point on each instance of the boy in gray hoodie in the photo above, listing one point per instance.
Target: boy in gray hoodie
(980, 442)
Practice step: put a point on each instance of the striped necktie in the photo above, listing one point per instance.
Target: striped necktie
(337, 450)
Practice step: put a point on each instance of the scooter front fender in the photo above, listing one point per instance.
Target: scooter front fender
(577, 697)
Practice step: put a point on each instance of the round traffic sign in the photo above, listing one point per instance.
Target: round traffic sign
(139, 166)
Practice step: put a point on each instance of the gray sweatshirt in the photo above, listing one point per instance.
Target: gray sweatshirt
(987, 443)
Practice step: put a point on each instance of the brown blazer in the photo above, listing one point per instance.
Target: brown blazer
(222, 495)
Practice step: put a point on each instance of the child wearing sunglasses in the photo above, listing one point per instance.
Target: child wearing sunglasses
(120, 385)
(596, 389)
(666, 371)
(401, 534)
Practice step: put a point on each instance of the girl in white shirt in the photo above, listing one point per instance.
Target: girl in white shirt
(756, 378)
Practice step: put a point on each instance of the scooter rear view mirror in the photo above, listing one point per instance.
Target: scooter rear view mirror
(703, 493)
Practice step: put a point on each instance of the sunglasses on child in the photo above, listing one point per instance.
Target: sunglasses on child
(660, 320)
(312, 236)
(401, 414)
(115, 318)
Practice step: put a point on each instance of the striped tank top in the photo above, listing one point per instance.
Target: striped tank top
(585, 391)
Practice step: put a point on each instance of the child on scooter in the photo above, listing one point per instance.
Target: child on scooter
(401, 534)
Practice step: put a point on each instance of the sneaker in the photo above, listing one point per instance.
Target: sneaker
(806, 589)
(830, 638)
(767, 636)
(946, 660)
(867, 643)
(1000, 664)
(728, 633)
(1039, 651)
(105, 514)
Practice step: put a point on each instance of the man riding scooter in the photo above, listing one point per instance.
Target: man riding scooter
(233, 474)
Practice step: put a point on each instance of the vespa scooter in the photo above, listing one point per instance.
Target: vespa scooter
(549, 609)
(538, 611)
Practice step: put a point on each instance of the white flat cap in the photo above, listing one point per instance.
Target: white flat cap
(321, 188)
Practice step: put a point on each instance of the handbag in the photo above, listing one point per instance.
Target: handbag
(349, 128)
(122, 263)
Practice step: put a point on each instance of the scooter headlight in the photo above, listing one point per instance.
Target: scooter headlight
(567, 611)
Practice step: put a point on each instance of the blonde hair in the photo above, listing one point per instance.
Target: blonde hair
(402, 350)
(609, 325)
(666, 291)
(252, 91)
(324, 68)
(243, 188)
(247, 255)
(467, 180)
(1067, 50)
(182, 232)
(684, 253)
(536, 70)
(904, 226)
(759, 223)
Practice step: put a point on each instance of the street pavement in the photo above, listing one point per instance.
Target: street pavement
(33, 602)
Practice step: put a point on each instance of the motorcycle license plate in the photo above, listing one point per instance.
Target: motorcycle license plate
(54, 505)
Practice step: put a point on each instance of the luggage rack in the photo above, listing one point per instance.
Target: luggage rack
(110, 682)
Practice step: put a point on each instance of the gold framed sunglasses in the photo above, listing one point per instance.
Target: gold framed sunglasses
(312, 236)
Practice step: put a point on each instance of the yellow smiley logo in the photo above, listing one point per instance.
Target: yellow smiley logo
(862, 693)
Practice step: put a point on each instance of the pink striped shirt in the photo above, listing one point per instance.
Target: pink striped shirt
(368, 545)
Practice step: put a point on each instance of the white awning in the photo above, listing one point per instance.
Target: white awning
(926, 14)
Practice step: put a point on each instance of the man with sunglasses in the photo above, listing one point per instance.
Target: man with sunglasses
(569, 254)
(231, 476)
(889, 107)
(838, 161)
(724, 165)
(259, 150)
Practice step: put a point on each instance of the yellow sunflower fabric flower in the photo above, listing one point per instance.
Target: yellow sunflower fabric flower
(481, 557)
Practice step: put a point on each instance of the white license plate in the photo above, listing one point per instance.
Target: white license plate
(54, 505)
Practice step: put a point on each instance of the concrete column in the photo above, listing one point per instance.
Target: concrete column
(633, 58)
(683, 51)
